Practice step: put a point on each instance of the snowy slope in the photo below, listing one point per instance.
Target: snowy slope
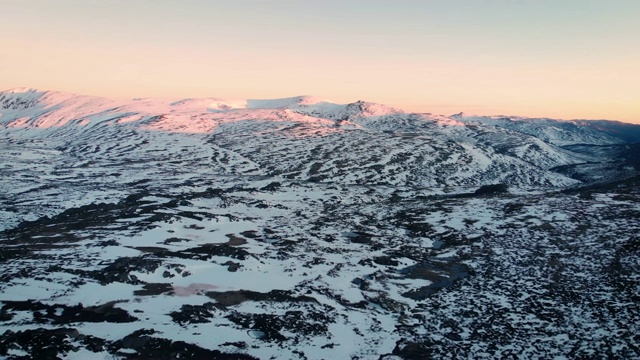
(300, 228)
(301, 138)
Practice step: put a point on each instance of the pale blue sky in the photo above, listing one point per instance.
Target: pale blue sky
(570, 59)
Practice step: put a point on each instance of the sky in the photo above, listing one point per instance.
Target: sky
(539, 58)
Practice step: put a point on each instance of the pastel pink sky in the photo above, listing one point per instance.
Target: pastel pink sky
(539, 58)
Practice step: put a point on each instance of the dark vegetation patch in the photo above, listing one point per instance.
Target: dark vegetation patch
(274, 186)
(207, 251)
(315, 168)
(64, 314)
(195, 314)
(30, 238)
(47, 343)
(483, 191)
(117, 271)
(268, 327)
(385, 260)
(50, 344)
(120, 270)
(442, 274)
(412, 351)
(232, 266)
(360, 237)
(235, 297)
(150, 249)
(251, 234)
(154, 289)
(235, 240)
(492, 189)
(173, 240)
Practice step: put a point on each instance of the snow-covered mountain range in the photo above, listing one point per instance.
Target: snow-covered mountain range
(301, 228)
(309, 138)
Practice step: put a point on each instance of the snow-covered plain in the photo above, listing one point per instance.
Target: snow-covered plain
(299, 228)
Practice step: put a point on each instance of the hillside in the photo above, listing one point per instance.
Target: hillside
(302, 228)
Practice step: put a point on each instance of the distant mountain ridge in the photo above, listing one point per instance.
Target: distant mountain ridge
(308, 138)
(558, 132)
(562, 132)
